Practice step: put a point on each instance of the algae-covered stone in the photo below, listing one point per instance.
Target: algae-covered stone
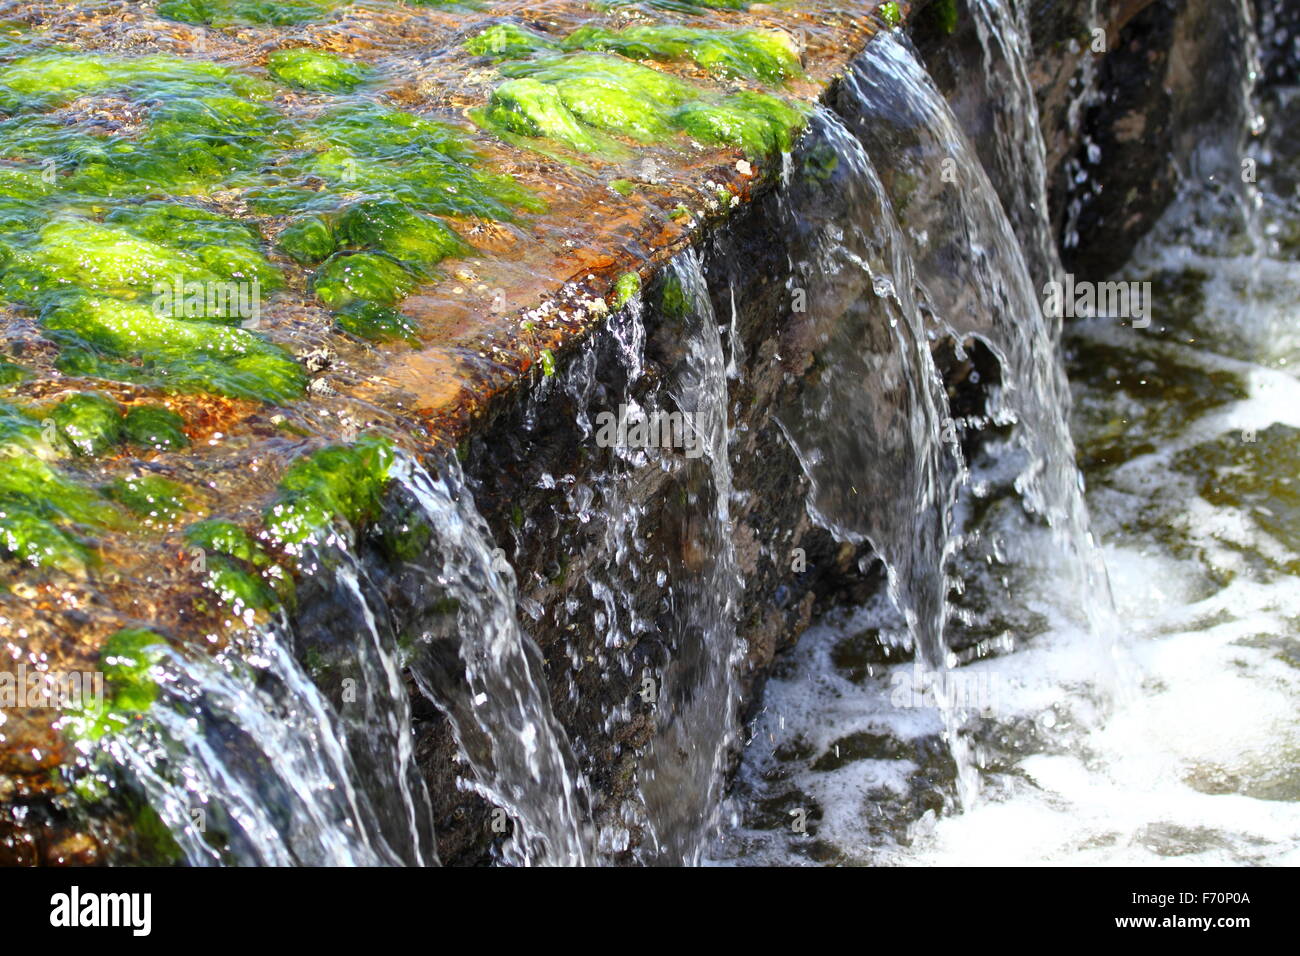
(615, 110)
(348, 277)
(155, 427)
(337, 483)
(90, 423)
(308, 240)
(150, 496)
(232, 13)
(757, 123)
(530, 107)
(11, 372)
(626, 289)
(237, 587)
(393, 227)
(430, 166)
(767, 55)
(127, 660)
(614, 72)
(507, 40)
(42, 510)
(182, 355)
(317, 70)
(228, 538)
(376, 323)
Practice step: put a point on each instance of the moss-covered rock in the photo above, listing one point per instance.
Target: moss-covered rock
(508, 40)
(337, 483)
(767, 55)
(393, 227)
(180, 355)
(317, 70)
(154, 427)
(351, 276)
(308, 240)
(376, 323)
(90, 423)
(157, 499)
(530, 107)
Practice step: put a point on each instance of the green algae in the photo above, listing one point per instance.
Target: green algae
(942, 16)
(228, 538)
(394, 228)
(574, 100)
(175, 354)
(349, 277)
(397, 155)
(317, 70)
(242, 13)
(757, 123)
(532, 108)
(154, 427)
(238, 569)
(90, 423)
(376, 323)
(43, 513)
(72, 238)
(127, 661)
(508, 40)
(767, 55)
(336, 483)
(891, 14)
(153, 497)
(238, 588)
(626, 288)
(308, 240)
(11, 372)
(199, 126)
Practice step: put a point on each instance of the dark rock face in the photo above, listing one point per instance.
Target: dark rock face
(1167, 73)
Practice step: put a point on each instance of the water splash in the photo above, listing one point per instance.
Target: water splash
(248, 762)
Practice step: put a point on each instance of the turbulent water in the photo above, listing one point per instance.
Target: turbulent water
(1187, 437)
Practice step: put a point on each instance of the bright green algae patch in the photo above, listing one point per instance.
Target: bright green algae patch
(81, 250)
(317, 70)
(338, 482)
(580, 101)
(242, 13)
(767, 55)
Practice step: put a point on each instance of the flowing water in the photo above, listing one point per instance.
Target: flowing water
(1187, 436)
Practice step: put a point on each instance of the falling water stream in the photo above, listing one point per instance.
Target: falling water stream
(1186, 433)
(982, 678)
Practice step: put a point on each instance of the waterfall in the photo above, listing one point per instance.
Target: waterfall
(1020, 152)
(485, 673)
(973, 280)
(869, 430)
(682, 772)
(247, 761)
